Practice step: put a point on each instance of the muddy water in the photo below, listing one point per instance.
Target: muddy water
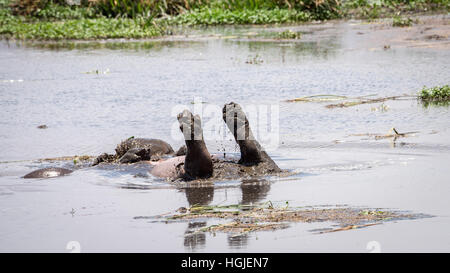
(93, 95)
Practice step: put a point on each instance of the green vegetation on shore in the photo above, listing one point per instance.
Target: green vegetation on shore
(64, 22)
(101, 19)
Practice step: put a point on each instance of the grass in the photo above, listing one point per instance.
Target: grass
(82, 29)
(102, 19)
(372, 9)
(217, 16)
(73, 24)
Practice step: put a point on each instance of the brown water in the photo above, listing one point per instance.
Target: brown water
(136, 92)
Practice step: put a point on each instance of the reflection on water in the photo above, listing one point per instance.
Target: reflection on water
(237, 241)
(253, 190)
(199, 196)
(192, 238)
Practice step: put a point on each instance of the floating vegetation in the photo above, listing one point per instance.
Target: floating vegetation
(393, 133)
(351, 101)
(435, 96)
(220, 16)
(289, 34)
(382, 108)
(318, 98)
(267, 216)
(75, 158)
(399, 21)
(97, 71)
(254, 60)
(359, 101)
(437, 93)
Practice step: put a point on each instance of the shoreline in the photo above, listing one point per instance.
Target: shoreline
(97, 27)
(267, 33)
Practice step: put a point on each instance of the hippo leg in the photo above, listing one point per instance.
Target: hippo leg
(251, 151)
(198, 163)
(238, 124)
(48, 173)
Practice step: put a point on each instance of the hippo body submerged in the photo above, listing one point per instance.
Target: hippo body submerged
(137, 149)
(128, 151)
(192, 161)
(48, 173)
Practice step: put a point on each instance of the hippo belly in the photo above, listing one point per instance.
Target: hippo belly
(48, 173)
(168, 167)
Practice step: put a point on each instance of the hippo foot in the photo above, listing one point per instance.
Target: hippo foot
(197, 163)
(238, 124)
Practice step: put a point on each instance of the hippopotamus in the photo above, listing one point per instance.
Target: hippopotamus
(48, 172)
(192, 161)
(137, 149)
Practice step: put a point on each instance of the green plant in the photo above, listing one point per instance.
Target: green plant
(289, 34)
(437, 93)
(217, 16)
(54, 11)
(399, 21)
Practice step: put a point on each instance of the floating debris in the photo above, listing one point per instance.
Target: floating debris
(97, 72)
(289, 34)
(267, 216)
(43, 126)
(360, 100)
(11, 81)
(318, 98)
(399, 21)
(393, 133)
(347, 228)
(75, 158)
(382, 108)
(254, 60)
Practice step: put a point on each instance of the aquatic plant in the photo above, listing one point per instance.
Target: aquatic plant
(99, 19)
(289, 34)
(52, 11)
(399, 21)
(323, 9)
(100, 28)
(437, 93)
(256, 59)
(217, 16)
(386, 8)
(26, 7)
(267, 216)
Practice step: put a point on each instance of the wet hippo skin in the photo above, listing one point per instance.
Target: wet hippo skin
(137, 149)
(48, 173)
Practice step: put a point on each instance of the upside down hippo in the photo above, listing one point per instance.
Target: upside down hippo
(192, 161)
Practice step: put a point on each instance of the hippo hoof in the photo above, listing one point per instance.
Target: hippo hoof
(48, 173)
